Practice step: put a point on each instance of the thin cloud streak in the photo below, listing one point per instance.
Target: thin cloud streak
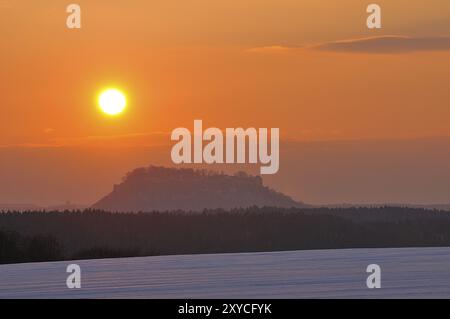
(388, 44)
(391, 44)
(132, 139)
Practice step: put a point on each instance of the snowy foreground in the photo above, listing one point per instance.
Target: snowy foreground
(406, 273)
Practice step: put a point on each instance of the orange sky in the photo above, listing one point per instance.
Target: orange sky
(212, 60)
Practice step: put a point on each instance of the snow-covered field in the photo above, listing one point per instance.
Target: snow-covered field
(406, 273)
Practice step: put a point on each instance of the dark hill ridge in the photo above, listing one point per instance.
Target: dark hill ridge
(160, 189)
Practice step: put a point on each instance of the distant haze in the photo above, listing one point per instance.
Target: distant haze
(400, 171)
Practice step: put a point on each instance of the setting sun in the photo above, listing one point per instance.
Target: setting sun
(112, 101)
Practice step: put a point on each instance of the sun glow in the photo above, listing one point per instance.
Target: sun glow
(112, 101)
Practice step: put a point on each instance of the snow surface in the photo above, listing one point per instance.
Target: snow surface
(406, 273)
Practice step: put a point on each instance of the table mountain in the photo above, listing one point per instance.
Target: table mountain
(161, 189)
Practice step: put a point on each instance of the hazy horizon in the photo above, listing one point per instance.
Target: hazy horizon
(363, 114)
(320, 172)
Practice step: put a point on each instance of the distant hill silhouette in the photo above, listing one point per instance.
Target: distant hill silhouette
(160, 189)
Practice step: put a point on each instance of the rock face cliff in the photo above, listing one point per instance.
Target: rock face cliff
(161, 189)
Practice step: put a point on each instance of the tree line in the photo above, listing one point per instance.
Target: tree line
(47, 236)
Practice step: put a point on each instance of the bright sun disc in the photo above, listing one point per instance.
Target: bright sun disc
(112, 101)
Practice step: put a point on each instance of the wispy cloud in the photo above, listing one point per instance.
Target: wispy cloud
(30, 145)
(128, 140)
(391, 44)
(272, 49)
(387, 44)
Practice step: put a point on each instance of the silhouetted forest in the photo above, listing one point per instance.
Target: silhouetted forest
(89, 234)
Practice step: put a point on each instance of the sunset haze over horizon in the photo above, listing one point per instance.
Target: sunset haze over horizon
(363, 114)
